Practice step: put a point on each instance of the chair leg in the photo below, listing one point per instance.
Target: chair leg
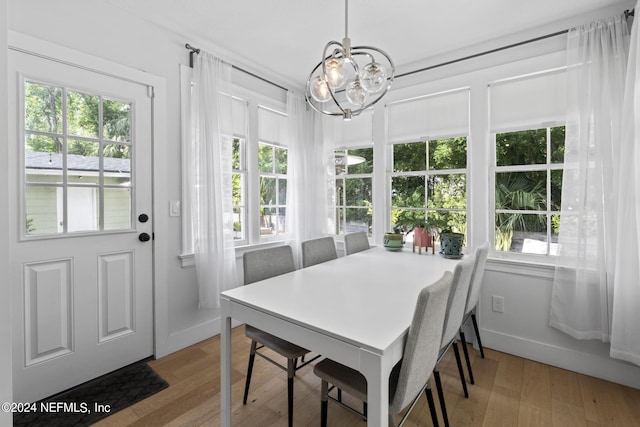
(466, 355)
(324, 391)
(291, 370)
(432, 406)
(459, 362)
(475, 327)
(252, 357)
(443, 406)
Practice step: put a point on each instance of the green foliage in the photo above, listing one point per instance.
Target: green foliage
(527, 190)
(44, 113)
(438, 201)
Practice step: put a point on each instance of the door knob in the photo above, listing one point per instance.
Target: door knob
(144, 237)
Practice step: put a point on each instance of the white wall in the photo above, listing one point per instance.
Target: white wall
(97, 29)
(6, 385)
(523, 329)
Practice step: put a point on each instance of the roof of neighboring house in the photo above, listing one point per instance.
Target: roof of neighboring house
(51, 161)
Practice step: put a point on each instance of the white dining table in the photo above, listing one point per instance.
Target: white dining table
(355, 310)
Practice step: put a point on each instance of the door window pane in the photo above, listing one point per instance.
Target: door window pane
(117, 120)
(117, 208)
(77, 155)
(83, 111)
(42, 159)
(83, 211)
(43, 108)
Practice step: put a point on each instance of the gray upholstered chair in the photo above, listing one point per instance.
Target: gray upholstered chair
(259, 265)
(316, 251)
(411, 375)
(355, 242)
(453, 320)
(472, 302)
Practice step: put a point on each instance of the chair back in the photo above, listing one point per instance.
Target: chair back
(476, 277)
(317, 251)
(423, 343)
(355, 242)
(265, 263)
(457, 298)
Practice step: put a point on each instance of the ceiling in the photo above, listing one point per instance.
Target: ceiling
(284, 39)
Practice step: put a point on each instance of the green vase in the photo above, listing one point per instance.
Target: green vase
(451, 244)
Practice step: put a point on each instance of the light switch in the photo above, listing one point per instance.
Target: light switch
(174, 208)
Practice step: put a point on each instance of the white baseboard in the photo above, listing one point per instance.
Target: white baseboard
(606, 368)
(193, 335)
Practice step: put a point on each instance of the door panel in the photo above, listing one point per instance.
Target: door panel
(81, 279)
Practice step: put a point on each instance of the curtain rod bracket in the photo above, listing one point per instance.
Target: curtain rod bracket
(628, 13)
(193, 51)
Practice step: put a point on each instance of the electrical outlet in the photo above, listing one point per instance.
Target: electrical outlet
(497, 304)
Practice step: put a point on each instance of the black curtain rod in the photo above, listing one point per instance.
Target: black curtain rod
(194, 51)
(627, 14)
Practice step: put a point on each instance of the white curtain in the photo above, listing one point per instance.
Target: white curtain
(209, 157)
(585, 279)
(625, 330)
(309, 159)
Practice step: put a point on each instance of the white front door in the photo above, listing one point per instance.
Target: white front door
(82, 245)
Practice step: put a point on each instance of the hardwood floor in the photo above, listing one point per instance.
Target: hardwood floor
(509, 391)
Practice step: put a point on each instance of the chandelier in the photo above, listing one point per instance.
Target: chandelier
(349, 79)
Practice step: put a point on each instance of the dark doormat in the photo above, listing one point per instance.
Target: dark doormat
(94, 400)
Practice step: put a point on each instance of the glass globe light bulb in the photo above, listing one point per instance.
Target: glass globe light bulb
(356, 94)
(373, 77)
(319, 90)
(336, 72)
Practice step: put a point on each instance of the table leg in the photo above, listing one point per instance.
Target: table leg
(225, 364)
(374, 368)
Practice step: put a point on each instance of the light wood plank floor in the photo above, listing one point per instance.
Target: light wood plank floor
(509, 391)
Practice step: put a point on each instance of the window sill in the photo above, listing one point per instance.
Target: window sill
(188, 260)
(521, 267)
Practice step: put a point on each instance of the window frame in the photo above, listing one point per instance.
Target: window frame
(62, 188)
(342, 207)
(427, 173)
(546, 167)
(279, 177)
(256, 95)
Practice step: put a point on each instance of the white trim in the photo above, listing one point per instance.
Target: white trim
(197, 333)
(45, 49)
(585, 363)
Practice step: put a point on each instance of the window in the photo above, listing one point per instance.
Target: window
(527, 125)
(272, 166)
(428, 185)
(238, 195)
(258, 166)
(428, 177)
(528, 189)
(272, 173)
(354, 190)
(77, 158)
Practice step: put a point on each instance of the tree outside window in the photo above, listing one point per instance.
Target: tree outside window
(528, 190)
(77, 152)
(272, 166)
(238, 179)
(428, 185)
(354, 190)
